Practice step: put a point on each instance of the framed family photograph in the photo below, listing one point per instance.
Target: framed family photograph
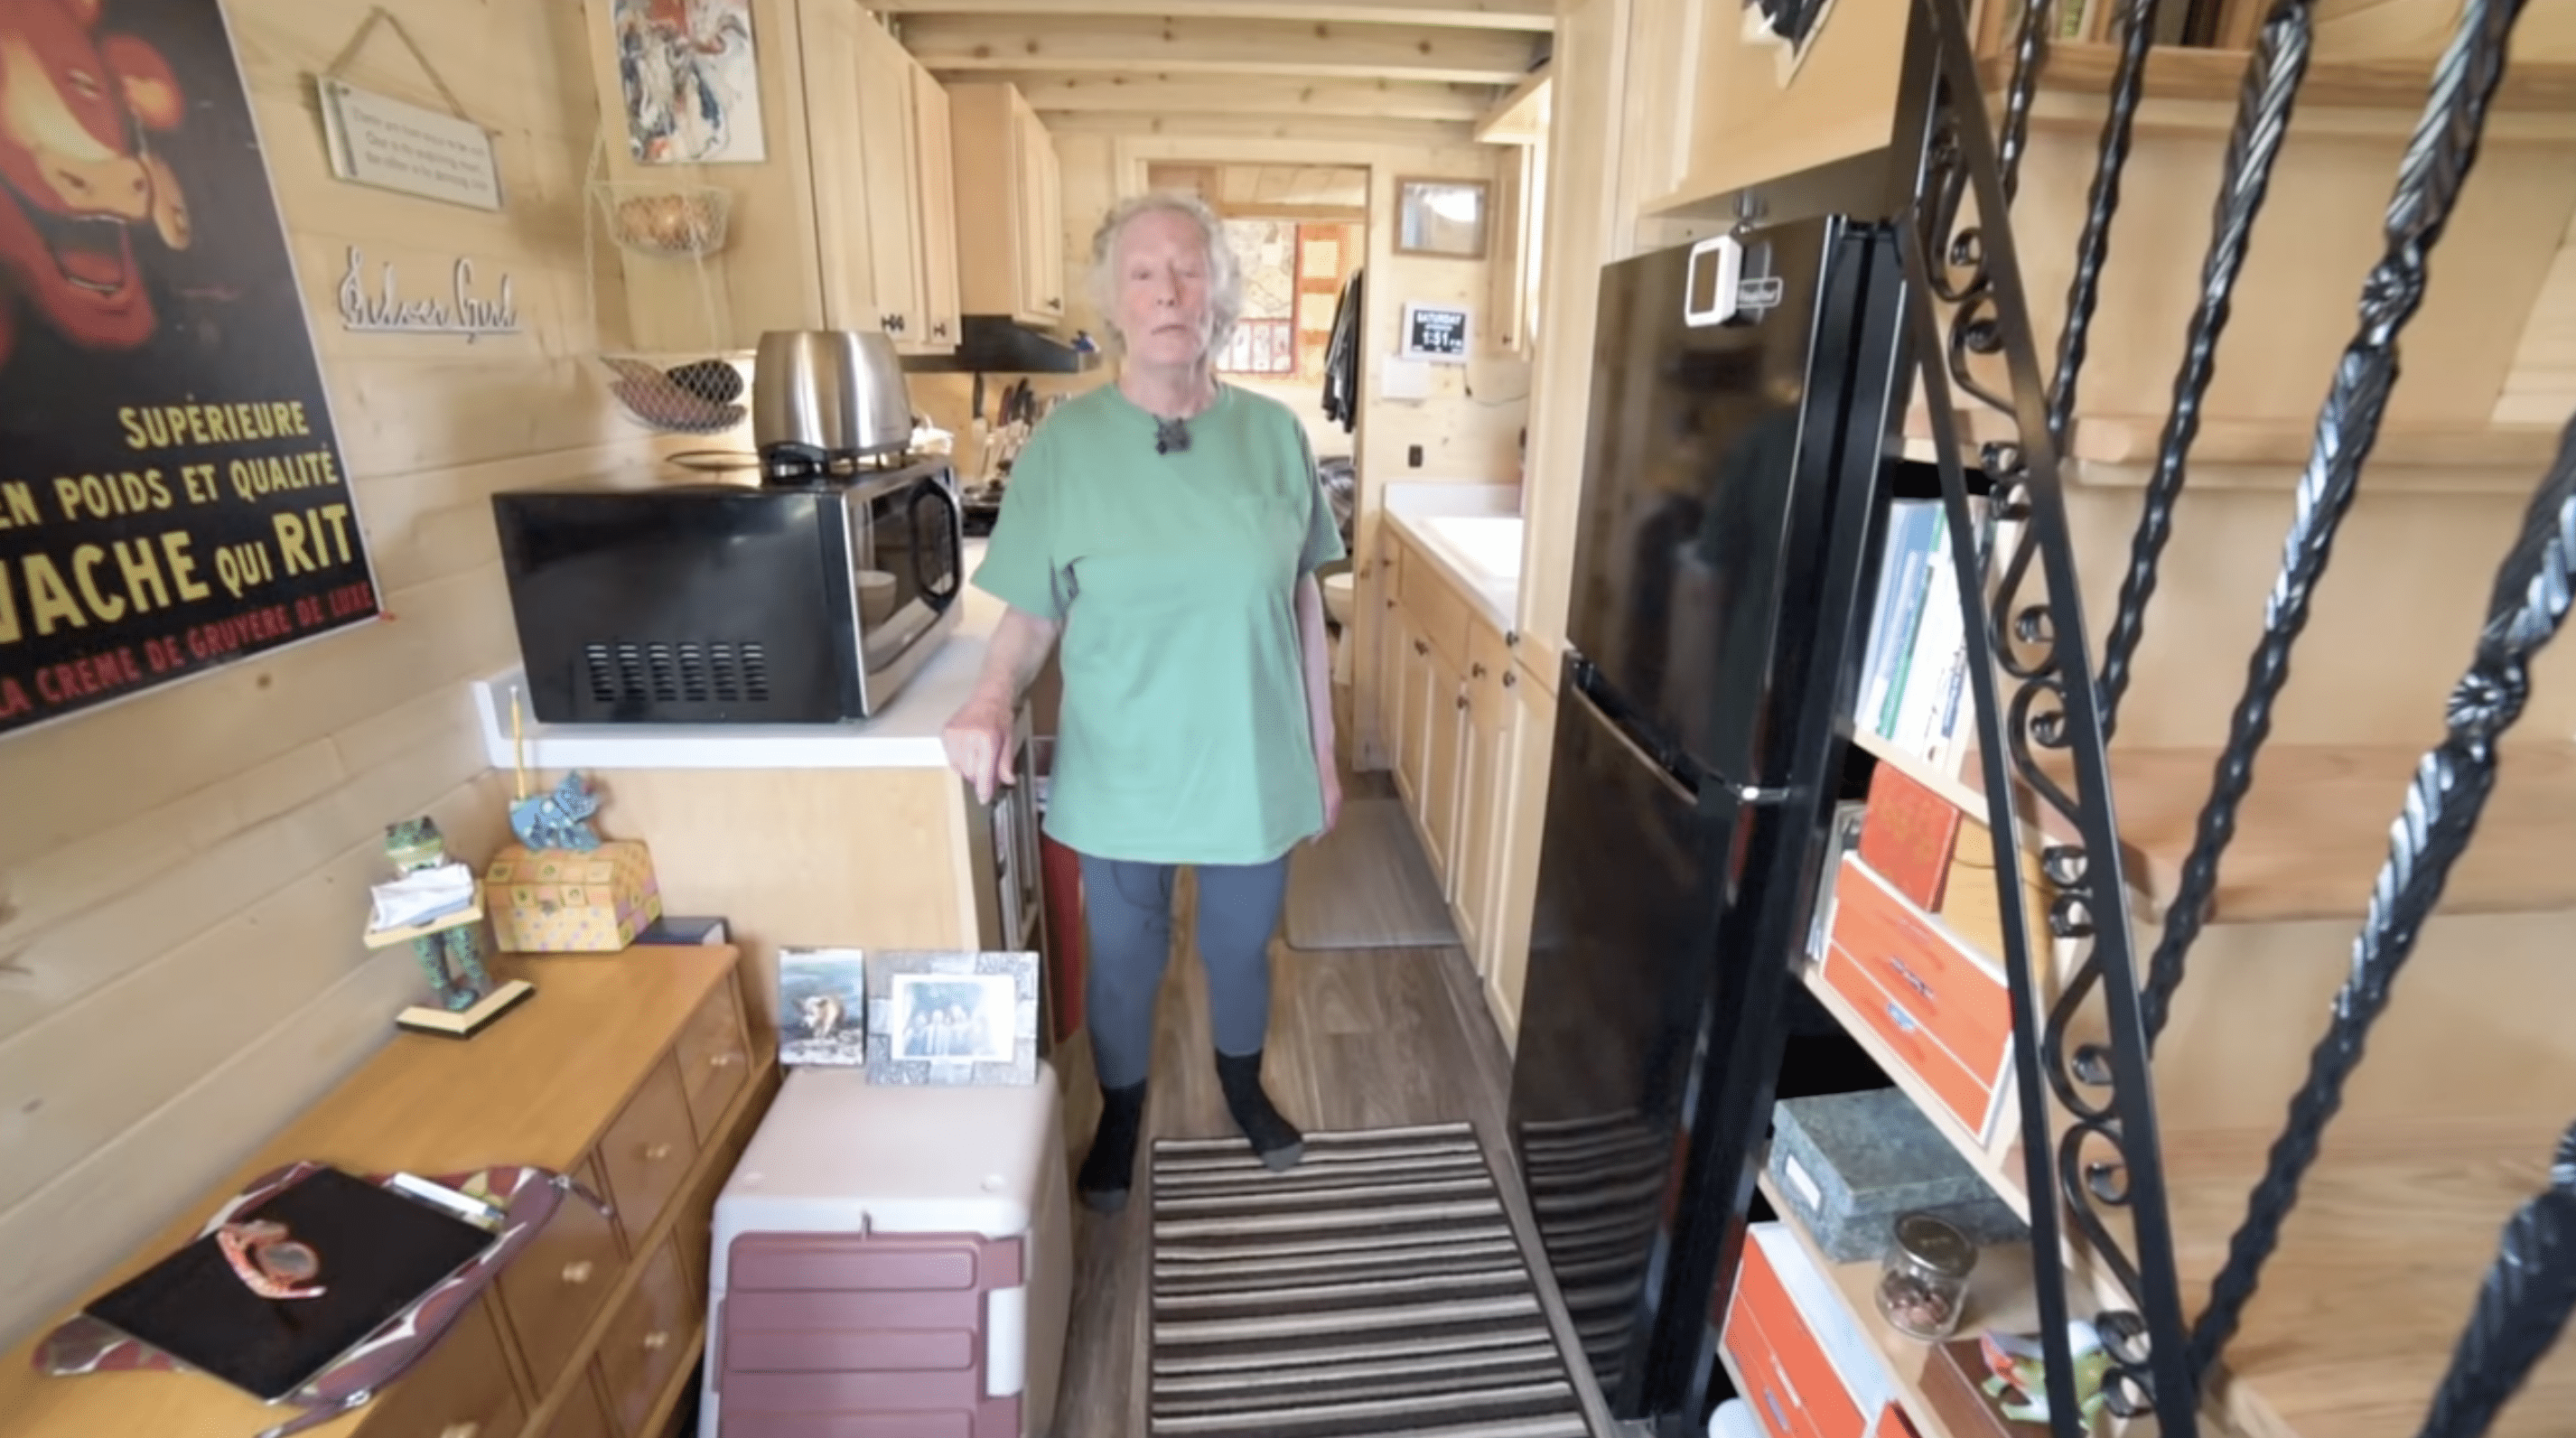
(822, 1007)
(952, 1017)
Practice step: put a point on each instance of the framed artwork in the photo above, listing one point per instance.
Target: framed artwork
(1441, 217)
(1792, 25)
(690, 78)
(952, 1017)
(822, 1007)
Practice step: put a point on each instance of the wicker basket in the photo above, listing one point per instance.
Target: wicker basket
(664, 221)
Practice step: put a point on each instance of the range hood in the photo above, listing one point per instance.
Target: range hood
(995, 344)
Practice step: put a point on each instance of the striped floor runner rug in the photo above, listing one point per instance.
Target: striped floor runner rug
(1374, 1291)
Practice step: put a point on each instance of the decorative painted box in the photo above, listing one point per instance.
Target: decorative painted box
(1849, 1163)
(570, 901)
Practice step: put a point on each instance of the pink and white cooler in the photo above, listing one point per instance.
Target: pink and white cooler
(891, 1263)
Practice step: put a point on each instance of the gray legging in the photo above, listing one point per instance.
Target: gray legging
(1128, 909)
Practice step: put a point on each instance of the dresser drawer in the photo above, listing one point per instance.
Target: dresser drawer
(554, 1287)
(715, 1059)
(1968, 1098)
(648, 1340)
(647, 1150)
(580, 1416)
(1964, 1004)
(1824, 1407)
(461, 1389)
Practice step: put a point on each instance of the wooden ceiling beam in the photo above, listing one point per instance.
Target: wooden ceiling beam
(1531, 16)
(1519, 118)
(1093, 92)
(1201, 47)
(1419, 134)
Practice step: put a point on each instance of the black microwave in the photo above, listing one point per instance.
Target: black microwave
(797, 603)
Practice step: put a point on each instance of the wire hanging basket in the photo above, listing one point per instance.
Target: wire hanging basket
(678, 372)
(693, 397)
(663, 221)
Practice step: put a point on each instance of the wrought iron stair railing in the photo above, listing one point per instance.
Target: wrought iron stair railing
(2099, 1172)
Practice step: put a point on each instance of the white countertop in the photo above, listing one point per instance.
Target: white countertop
(905, 736)
(1473, 533)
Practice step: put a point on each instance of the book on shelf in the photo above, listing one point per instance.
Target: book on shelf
(1913, 692)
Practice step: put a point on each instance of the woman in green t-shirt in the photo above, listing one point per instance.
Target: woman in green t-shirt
(1167, 529)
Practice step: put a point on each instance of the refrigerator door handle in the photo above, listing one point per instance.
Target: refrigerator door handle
(1592, 710)
(1710, 789)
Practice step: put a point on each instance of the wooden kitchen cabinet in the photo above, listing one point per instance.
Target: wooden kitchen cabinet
(849, 222)
(933, 144)
(1447, 705)
(1010, 206)
(1483, 750)
(1413, 718)
(1447, 713)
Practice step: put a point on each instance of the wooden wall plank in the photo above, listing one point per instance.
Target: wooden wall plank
(2540, 387)
(1051, 92)
(1364, 52)
(183, 876)
(1531, 15)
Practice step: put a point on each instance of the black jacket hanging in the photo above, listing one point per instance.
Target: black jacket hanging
(1342, 355)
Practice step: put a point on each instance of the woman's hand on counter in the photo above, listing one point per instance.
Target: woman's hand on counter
(978, 736)
(978, 741)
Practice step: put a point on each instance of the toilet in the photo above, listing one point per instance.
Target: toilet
(1338, 590)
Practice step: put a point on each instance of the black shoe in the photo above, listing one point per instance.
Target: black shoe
(1275, 1139)
(1110, 1168)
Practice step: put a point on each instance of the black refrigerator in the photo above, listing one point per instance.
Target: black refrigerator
(1731, 478)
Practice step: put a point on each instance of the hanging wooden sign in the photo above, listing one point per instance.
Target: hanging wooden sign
(378, 140)
(172, 495)
(394, 145)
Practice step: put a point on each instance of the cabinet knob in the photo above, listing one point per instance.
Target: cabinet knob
(657, 1152)
(939, 330)
(1421, 647)
(1462, 703)
(577, 1273)
(1511, 680)
(656, 1341)
(1475, 671)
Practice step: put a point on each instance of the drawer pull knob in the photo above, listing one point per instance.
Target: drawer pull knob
(1511, 680)
(1898, 1016)
(657, 1153)
(1779, 1420)
(1421, 647)
(724, 1061)
(577, 1273)
(656, 1341)
(1907, 977)
(460, 1430)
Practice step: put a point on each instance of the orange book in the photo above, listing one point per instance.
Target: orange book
(1907, 834)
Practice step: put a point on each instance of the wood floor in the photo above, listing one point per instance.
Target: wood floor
(1358, 1038)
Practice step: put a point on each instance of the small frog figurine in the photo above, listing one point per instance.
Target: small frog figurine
(414, 845)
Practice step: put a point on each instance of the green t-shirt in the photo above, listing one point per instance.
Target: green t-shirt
(1185, 737)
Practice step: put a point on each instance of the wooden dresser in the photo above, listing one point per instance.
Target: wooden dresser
(634, 1072)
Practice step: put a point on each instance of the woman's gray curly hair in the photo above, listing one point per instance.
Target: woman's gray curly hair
(1224, 273)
